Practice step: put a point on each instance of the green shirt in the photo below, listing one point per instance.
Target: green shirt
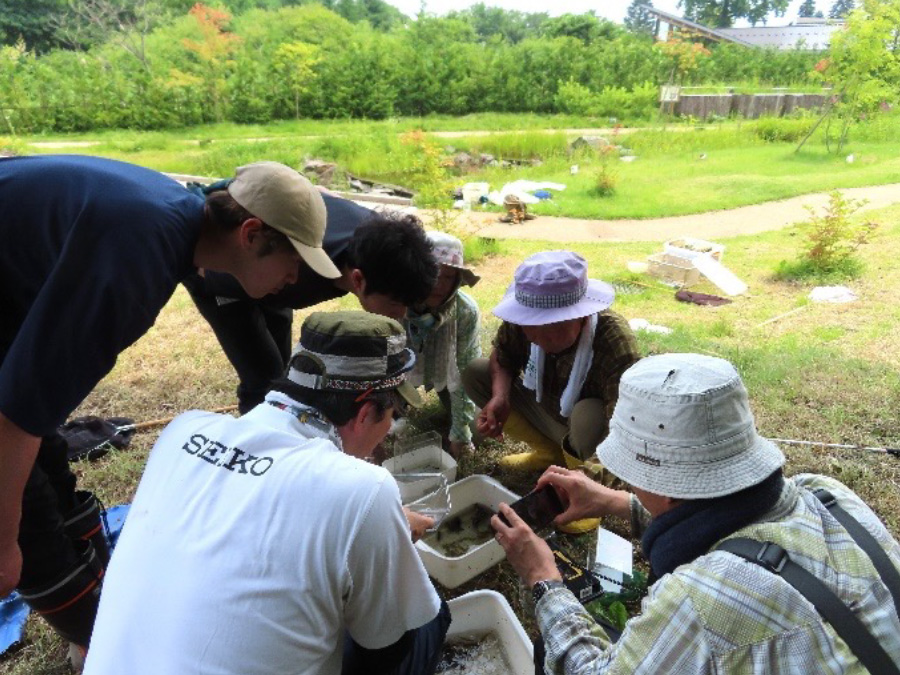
(428, 337)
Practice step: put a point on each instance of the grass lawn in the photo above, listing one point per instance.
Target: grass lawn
(825, 373)
(697, 169)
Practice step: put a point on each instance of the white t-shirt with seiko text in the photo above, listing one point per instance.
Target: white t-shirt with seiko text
(252, 544)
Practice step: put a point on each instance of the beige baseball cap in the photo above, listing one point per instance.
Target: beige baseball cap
(287, 202)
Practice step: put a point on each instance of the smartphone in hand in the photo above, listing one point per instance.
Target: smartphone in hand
(538, 508)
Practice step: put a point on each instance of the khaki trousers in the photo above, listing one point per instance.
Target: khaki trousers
(586, 427)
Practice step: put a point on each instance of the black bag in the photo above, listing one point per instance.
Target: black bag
(92, 437)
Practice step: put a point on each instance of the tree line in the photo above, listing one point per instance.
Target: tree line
(150, 68)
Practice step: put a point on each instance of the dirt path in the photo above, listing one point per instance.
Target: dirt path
(711, 225)
(741, 220)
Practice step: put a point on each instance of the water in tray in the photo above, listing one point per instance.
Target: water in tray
(463, 531)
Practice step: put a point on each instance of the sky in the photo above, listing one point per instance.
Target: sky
(614, 10)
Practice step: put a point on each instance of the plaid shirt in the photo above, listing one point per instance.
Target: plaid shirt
(615, 351)
(723, 614)
(433, 353)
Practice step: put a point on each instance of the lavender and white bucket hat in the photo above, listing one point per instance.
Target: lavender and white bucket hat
(553, 286)
(682, 428)
(448, 250)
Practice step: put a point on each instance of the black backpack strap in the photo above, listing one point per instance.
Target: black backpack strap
(845, 623)
(863, 538)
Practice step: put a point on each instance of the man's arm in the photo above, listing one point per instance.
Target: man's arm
(389, 592)
(496, 411)
(667, 637)
(18, 450)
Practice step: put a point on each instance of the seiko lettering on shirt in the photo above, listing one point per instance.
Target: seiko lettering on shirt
(232, 459)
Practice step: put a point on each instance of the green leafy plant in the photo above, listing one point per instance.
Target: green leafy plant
(428, 170)
(863, 67)
(830, 242)
(605, 180)
(778, 129)
(615, 614)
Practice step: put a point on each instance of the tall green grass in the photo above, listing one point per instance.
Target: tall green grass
(680, 169)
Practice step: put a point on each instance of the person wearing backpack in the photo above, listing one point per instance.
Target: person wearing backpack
(753, 572)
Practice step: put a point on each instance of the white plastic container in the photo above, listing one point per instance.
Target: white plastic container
(454, 571)
(420, 454)
(689, 248)
(473, 192)
(479, 613)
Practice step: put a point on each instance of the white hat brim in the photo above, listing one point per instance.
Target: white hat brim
(684, 480)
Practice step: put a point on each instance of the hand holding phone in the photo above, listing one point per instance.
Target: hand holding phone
(538, 508)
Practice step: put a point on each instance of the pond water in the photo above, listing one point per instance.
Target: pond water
(462, 531)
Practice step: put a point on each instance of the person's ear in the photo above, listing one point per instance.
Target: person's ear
(357, 282)
(368, 414)
(249, 232)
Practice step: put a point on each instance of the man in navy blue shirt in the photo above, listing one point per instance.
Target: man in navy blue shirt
(384, 259)
(92, 250)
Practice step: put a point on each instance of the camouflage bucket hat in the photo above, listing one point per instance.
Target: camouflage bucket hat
(354, 351)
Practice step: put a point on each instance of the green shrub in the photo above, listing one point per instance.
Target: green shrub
(777, 129)
(806, 270)
(619, 102)
(13, 146)
(605, 181)
(476, 248)
(830, 242)
(576, 99)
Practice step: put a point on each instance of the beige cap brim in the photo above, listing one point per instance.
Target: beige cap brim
(317, 259)
(411, 394)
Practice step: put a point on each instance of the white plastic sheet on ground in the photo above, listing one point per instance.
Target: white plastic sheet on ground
(643, 324)
(523, 189)
(834, 294)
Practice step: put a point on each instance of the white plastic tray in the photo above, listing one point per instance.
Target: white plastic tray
(481, 612)
(452, 572)
(690, 248)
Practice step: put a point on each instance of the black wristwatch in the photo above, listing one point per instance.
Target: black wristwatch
(541, 587)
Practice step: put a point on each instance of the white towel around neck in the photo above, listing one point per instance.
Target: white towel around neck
(533, 377)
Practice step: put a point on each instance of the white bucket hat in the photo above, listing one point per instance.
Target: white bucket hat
(682, 428)
(448, 250)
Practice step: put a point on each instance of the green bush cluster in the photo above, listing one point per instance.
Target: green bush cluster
(309, 62)
(779, 129)
(639, 102)
(830, 242)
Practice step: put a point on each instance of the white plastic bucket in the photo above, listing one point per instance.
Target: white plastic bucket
(479, 613)
(473, 192)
